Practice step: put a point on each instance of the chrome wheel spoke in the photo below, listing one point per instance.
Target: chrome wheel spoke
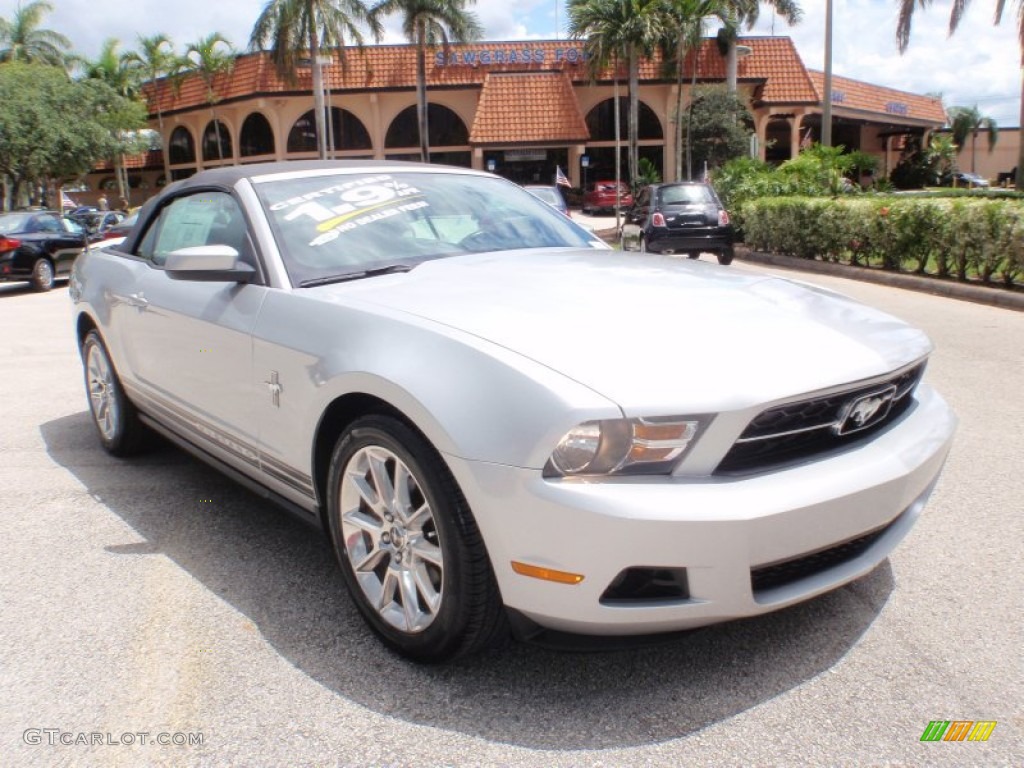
(410, 601)
(426, 551)
(427, 590)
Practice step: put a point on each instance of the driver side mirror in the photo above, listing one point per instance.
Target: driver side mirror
(209, 263)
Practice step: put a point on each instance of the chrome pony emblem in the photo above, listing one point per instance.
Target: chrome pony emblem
(865, 411)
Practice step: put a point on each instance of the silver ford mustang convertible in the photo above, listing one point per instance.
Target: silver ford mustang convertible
(501, 424)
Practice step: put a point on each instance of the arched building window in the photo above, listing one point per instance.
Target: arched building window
(601, 121)
(181, 147)
(349, 132)
(444, 129)
(256, 137)
(216, 129)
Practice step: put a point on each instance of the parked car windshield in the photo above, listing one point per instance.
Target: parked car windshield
(684, 194)
(13, 222)
(547, 194)
(346, 223)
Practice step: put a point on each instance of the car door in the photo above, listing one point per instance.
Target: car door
(189, 345)
(61, 245)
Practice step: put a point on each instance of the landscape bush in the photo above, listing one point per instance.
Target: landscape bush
(959, 237)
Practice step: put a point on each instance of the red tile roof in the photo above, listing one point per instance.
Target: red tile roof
(887, 102)
(527, 107)
(773, 66)
(773, 61)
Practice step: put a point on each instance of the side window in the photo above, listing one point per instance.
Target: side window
(205, 218)
(49, 224)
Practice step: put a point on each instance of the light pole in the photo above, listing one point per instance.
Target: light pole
(826, 97)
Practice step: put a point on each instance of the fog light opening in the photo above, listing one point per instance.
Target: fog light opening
(641, 584)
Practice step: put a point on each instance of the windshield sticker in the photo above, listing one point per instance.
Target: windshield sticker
(362, 201)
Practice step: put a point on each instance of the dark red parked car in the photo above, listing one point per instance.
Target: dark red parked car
(601, 197)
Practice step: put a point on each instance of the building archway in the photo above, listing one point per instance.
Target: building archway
(256, 136)
(348, 133)
(216, 129)
(447, 134)
(181, 148)
(601, 122)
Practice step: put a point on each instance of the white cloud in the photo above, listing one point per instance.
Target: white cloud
(979, 65)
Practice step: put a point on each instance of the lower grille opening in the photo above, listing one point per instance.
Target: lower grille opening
(635, 585)
(780, 574)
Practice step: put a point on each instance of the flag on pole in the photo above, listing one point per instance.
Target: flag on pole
(66, 202)
(561, 179)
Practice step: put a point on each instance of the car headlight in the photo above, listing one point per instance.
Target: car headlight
(623, 447)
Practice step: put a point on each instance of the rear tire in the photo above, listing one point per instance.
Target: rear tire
(725, 257)
(42, 274)
(117, 422)
(409, 550)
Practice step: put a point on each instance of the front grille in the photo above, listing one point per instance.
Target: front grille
(808, 428)
(767, 577)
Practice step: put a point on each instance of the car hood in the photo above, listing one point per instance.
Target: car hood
(653, 333)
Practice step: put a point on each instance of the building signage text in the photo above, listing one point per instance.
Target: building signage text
(485, 56)
(896, 108)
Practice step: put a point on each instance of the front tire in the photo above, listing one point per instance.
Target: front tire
(121, 433)
(409, 549)
(42, 275)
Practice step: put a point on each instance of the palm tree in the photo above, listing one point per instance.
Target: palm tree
(115, 70)
(967, 121)
(430, 23)
(737, 13)
(690, 20)
(155, 59)
(21, 39)
(292, 29)
(617, 30)
(211, 57)
(906, 15)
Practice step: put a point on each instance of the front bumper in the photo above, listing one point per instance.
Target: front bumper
(718, 528)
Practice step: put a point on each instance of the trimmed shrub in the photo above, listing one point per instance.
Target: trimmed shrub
(968, 238)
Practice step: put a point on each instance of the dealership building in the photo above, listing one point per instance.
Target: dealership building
(517, 108)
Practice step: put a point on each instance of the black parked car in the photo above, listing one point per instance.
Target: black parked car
(681, 217)
(38, 246)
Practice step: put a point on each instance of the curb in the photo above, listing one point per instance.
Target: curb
(993, 296)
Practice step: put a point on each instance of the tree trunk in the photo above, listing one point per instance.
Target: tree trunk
(1019, 183)
(731, 66)
(634, 110)
(618, 141)
(216, 131)
(318, 92)
(681, 56)
(165, 146)
(421, 93)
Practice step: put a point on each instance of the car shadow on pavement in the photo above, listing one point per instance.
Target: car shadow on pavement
(281, 575)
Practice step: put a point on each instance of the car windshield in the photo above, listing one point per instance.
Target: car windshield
(341, 224)
(685, 194)
(13, 222)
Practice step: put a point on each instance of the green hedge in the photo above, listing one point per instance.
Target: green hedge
(969, 239)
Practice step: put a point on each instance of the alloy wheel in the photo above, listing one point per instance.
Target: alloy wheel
(391, 539)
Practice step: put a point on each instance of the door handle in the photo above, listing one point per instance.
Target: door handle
(137, 300)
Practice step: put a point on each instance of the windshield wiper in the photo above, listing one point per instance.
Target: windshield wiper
(390, 269)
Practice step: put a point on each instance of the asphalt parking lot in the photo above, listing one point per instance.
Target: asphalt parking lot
(155, 598)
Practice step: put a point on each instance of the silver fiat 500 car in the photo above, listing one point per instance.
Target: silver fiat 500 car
(501, 424)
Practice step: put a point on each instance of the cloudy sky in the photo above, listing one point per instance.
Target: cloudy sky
(980, 65)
